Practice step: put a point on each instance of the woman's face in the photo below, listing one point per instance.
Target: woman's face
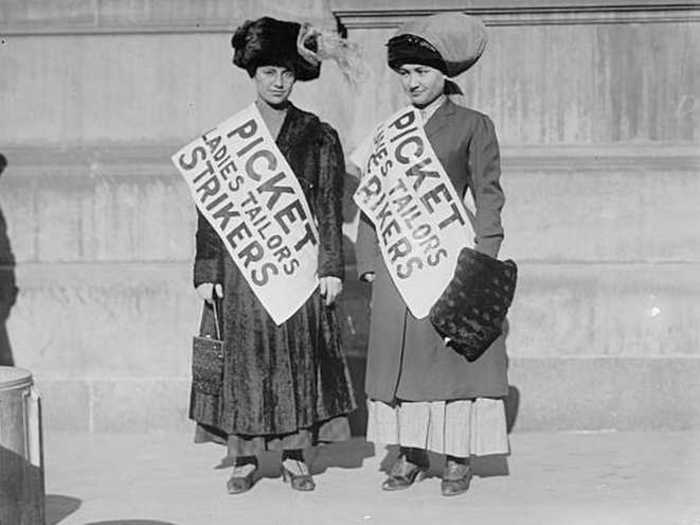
(422, 84)
(274, 84)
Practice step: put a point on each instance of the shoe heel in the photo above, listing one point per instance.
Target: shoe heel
(238, 485)
(401, 482)
(301, 482)
(418, 476)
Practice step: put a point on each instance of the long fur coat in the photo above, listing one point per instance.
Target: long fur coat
(281, 379)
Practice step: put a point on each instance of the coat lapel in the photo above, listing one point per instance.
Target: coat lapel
(295, 128)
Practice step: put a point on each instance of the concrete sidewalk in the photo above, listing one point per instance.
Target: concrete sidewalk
(550, 478)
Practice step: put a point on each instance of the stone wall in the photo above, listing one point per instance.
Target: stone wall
(596, 107)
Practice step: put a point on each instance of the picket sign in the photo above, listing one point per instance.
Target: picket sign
(420, 220)
(246, 190)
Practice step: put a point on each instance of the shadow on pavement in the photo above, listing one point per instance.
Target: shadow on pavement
(21, 481)
(130, 522)
(482, 466)
(512, 402)
(346, 455)
(59, 507)
(512, 399)
(490, 466)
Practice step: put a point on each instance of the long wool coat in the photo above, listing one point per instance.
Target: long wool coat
(280, 379)
(406, 358)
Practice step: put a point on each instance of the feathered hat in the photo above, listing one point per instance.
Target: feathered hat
(270, 42)
(300, 47)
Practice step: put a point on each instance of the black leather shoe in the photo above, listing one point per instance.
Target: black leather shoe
(403, 474)
(456, 478)
(239, 484)
(302, 482)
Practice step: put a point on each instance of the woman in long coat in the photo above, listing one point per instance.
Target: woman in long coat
(286, 387)
(423, 394)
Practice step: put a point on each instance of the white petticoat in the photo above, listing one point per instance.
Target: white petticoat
(458, 428)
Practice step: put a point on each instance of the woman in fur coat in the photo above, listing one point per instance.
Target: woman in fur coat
(286, 387)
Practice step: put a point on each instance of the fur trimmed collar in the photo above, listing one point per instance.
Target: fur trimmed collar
(297, 127)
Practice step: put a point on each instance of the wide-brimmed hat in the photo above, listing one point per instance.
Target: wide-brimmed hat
(270, 42)
(449, 42)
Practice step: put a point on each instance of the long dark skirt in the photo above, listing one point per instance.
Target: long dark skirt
(284, 386)
(335, 429)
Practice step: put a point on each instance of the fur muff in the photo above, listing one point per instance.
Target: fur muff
(270, 42)
(473, 308)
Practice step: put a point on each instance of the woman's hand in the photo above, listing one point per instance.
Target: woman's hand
(207, 290)
(330, 288)
(367, 277)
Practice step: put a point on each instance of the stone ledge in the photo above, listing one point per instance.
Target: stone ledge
(370, 14)
(118, 204)
(25, 18)
(205, 16)
(139, 161)
(574, 311)
(610, 394)
(129, 320)
(546, 394)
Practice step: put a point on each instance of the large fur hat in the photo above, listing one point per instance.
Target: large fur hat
(267, 41)
(450, 42)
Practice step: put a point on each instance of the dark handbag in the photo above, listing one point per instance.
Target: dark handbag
(472, 309)
(208, 353)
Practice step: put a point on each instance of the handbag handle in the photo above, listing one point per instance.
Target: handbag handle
(216, 318)
(206, 319)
